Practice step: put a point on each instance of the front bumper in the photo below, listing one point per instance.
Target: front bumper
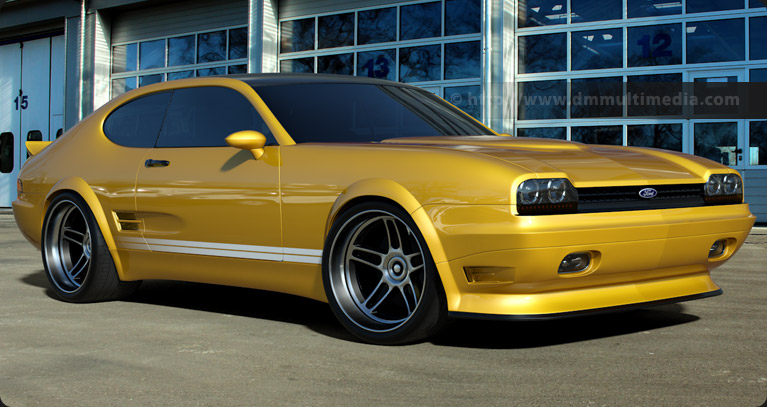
(639, 258)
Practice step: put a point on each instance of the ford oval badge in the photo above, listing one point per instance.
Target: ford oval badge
(648, 193)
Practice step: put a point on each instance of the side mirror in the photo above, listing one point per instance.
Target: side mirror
(250, 140)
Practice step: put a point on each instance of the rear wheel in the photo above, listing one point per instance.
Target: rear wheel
(76, 258)
(379, 276)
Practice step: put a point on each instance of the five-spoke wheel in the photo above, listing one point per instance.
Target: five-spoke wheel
(379, 276)
(76, 259)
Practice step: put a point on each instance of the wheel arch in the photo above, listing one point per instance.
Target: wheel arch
(78, 186)
(379, 189)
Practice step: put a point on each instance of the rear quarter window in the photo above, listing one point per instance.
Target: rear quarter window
(137, 123)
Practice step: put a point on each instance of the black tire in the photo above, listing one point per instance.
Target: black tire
(379, 276)
(76, 258)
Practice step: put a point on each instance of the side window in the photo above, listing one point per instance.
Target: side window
(6, 153)
(204, 116)
(137, 123)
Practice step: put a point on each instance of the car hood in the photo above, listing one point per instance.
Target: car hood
(585, 165)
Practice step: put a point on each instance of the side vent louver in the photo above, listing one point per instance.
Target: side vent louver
(126, 221)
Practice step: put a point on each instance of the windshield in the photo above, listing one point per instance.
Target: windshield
(352, 112)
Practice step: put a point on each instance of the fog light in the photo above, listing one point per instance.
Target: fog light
(575, 263)
(717, 249)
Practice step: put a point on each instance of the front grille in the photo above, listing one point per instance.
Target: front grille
(611, 199)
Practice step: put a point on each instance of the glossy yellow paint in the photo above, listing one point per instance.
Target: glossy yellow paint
(460, 192)
(34, 147)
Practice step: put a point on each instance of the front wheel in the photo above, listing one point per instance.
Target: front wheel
(76, 258)
(380, 278)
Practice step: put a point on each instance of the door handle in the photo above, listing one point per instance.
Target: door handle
(156, 163)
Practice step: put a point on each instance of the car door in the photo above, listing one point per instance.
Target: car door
(197, 197)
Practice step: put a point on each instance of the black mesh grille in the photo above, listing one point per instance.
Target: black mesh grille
(610, 199)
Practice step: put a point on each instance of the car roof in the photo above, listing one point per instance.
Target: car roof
(269, 79)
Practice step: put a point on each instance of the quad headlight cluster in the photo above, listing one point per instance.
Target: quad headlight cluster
(546, 196)
(722, 189)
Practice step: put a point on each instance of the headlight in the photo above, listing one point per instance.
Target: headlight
(546, 196)
(722, 189)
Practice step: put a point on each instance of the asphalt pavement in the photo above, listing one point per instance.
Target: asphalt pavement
(182, 344)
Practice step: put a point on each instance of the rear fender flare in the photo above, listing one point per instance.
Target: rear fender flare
(80, 187)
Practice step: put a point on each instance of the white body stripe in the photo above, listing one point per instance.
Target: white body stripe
(240, 251)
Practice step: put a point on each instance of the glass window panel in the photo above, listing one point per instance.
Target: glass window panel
(611, 135)
(536, 13)
(666, 136)
(379, 25)
(237, 69)
(124, 58)
(181, 50)
(238, 43)
(598, 49)
(463, 60)
(137, 123)
(654, 95)
(758, 75)
(702, 6)
(757, 143)
(542, 100)
(655, 45)
(542, 53)
(717, 141)
(205, 116)
(758, 38)
(716, 41)
(418, 64)
(298, 65)
(362, 113)
(219, 70)
(297, 35)
(6, 153)
(150, 79)
(596, 10)
(420, 21)
(466, 98)
(463, 16)
(122, 85)
(335, 31)
(756, 4)
(543, 132)
(152, 54)
(211, 47)
(342, 64)
(180, 75)
(596, 97)
(378, 64)
(653, 8)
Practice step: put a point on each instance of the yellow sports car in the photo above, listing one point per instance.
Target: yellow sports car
(380, 198)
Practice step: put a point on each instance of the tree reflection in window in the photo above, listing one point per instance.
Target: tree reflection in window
(717, 141)
(542, 100)
(336, 30)
(420, 63)
(379, 25)
(466, 98)
(238, 43)
(543, 132)
(211, 47)
(342, 64)
(297, 65)
(611, 135)
(757, 142)
(542, 53)
(181, 50)
(463, 60)
(297, 35)
(463, 17)
(667, 136)
(421, 21)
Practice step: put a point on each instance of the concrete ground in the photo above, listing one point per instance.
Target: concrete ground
(180, 344)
